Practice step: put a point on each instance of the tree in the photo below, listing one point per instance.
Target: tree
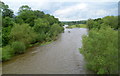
(55, 30)
(39, 14)
(19, 20)
(23, 33)
(41, 25)
(7, 13)
(111, 21)
(7, 21)
(24, 8)
(3, 6)
(27, 16)
(51, 19)
(5, 35)
(90, 23)
(103, 58)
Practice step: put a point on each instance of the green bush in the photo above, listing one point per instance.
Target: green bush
(23, 33)
(111, 21)
(41, 37)
(0, 54)
(7, 21)
(55, 29)
(19, 47)
(100, 49)
(78, 26)
(41, 25)
(7, 53)
(5, 35)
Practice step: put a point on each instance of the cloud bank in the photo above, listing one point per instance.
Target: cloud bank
(69, 10)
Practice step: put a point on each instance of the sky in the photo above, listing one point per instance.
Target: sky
(69, 10)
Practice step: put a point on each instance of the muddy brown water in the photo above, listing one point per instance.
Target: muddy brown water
(59, 57)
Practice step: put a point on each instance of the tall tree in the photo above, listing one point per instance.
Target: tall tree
(6, 12)
(39, 14)
(24, 8)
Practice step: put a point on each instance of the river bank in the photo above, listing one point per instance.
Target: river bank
(59, 57)
(77, 26)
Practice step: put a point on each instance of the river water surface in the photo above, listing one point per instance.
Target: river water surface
(59, 57)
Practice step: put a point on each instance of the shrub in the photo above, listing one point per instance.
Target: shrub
(100, 49)
(5, 35)
(7, 53)
(55, 29)
(0, 54)
(78, 26)
(19, 47)
(41, 37)
(7, 21)
(23, 33)
(41, 26)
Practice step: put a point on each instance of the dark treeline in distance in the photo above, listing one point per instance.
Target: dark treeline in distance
(25, 29)
(100, 47)
(74, 22)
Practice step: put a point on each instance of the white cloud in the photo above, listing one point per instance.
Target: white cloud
(40, 1)
(69, 11)
(86, 0)
(34, 4)
(85, 11)
(101, 12)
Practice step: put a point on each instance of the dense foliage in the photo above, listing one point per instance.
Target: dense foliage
(100, 47)
(25, 29)
(111, 21)
(18, 47)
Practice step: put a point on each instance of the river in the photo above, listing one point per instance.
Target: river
(59, 57)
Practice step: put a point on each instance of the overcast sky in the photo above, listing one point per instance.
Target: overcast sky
(69, 10)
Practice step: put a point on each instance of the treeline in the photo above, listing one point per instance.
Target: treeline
(74, 22)
(111, 21)
(26, 28)
(100, 47)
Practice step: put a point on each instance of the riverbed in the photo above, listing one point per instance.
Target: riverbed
(59, 57)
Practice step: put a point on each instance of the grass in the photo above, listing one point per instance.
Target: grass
(83, 26)
(77, 26)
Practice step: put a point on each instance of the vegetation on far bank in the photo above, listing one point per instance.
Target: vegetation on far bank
(77, 26)
(74, 22)
(100, 47)
(26, 29)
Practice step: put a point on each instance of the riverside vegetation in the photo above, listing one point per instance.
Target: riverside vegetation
(100, 47)
(77, 26)
(28, 27)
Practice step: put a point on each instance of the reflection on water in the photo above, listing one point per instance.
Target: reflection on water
(59, 57)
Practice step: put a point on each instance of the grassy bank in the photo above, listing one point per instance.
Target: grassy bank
(77, 26)
(7, 52)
